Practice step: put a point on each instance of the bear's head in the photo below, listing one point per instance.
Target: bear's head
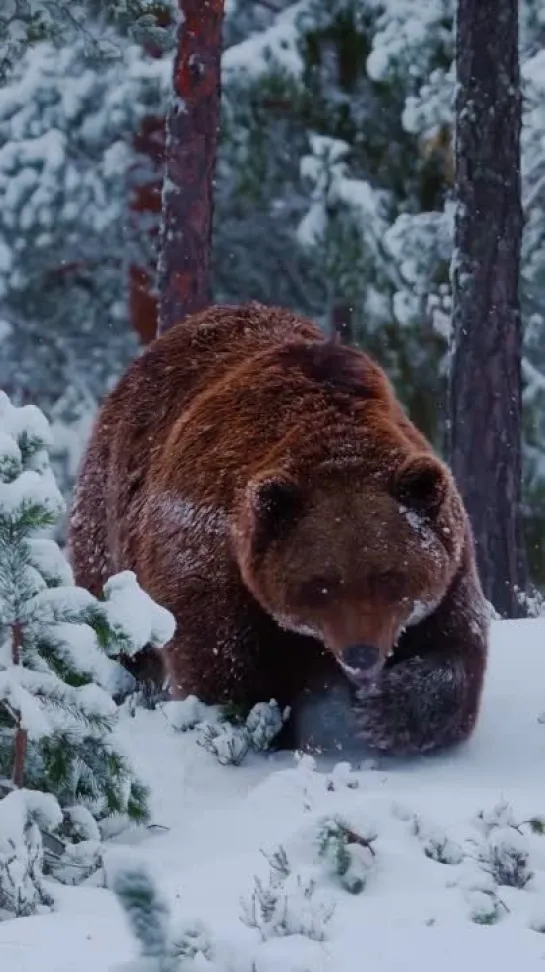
(351, 558)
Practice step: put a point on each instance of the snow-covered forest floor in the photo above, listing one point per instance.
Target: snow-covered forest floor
(433, 895)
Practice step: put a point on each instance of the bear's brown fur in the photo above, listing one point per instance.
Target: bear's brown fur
(266, 486)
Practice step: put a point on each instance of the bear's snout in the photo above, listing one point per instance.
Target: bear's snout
(361, 661)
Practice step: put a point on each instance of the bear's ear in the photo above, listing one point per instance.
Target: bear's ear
(274, 499)
(420, 483)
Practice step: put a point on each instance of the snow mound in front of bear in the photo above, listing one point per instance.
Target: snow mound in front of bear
(286, 864)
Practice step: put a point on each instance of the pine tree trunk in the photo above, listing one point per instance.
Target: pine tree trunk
(192, 127)
(21, 735)
(485, 396)
(342, 324)
(149, 143)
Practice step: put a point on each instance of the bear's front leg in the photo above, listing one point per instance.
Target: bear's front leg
(430, 696)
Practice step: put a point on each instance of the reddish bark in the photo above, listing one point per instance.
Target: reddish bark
(19, 756)
(192, 128)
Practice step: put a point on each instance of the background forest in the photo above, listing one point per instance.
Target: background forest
(333, 195)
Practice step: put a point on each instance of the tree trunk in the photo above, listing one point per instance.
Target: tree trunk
(342, 324)
(149, 143)
(485, 399)
(192, 128)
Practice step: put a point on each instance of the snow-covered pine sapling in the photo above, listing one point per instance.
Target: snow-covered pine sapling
(162, 946)
(184, 714)
(134, 620)
(56, 679)
(192, 940)
(279, 865)
(347, 855)
(500, 815)
(234, 712)
(290, 903)
(485, 908)
(504, 852)
(230, 744)
(24, 814)
(29, 501)
(506, 857)
(263, 724)
(342, 776)
(133, 624)
(436, 844)
(481, 894)
(82, 852)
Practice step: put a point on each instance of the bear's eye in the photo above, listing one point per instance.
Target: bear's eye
(389, 580)
(319, 589)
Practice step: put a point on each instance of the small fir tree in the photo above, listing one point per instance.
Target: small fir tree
(230, 743)
(290, 903)
(346, 855)
(23, 816)
(57, 648)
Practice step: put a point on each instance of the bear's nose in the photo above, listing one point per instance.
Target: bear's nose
(361, 657)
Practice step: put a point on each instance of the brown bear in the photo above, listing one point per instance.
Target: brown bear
(267, 487)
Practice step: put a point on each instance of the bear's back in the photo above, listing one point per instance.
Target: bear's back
(192, 356)
(137, 417)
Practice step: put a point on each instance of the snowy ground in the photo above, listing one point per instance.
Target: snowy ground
(413, 909)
